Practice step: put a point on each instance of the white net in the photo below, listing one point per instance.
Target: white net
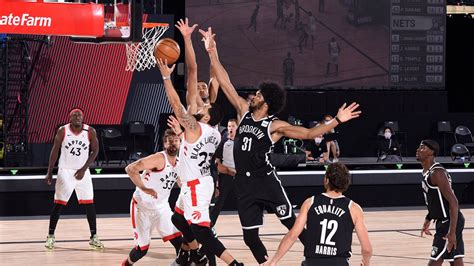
(140, 55)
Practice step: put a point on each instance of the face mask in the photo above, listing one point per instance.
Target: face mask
(318, 140)
(387, 135)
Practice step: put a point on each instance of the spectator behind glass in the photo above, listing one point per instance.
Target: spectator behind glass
(316, 149)
(388, 144)
(332, 145)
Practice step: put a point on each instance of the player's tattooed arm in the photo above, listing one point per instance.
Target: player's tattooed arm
(188, 121)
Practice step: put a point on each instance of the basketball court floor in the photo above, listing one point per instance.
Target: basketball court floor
(395, 236)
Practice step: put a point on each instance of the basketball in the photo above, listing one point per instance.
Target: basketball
(167, 49)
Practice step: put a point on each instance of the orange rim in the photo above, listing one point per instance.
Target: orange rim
(148, 25)
(145, 25)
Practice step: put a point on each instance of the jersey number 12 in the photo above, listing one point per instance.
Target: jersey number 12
(327, 239)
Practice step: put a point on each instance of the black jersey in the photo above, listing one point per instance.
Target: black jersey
(438, 207)
(253, 145)
(329, 228)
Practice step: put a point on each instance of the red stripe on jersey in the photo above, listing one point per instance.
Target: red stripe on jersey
(64, 134)
(60, 202)
(86, 201)
(173, 236)
(178, 210)
(205, 224)
(192, 185)
(133, 213)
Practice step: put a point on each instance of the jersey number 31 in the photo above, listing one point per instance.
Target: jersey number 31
(247, 144)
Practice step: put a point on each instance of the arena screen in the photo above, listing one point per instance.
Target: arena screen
(376, 43)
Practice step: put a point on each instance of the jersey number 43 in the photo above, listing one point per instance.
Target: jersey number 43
(75, 151)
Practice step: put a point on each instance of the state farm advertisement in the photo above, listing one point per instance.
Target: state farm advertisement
(70, 19)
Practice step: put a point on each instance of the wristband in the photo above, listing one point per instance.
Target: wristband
(165, 78)
(180, 133)
(337, 119)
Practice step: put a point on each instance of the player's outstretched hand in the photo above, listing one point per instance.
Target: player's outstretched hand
(164, 68)
(209, 39)
(185, 29)
(150, 192)
(451, 238)
(49, 179)
(426, 228)
(80, 174)
(347, 113)
(174, 125)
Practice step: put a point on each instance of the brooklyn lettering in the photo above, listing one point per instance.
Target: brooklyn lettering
(253, 130)
(25, 20)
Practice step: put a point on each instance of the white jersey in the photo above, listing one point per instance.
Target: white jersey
(195, 158)
(74, 148)
(161, 180)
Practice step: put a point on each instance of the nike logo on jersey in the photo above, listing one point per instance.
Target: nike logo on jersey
(444, 221)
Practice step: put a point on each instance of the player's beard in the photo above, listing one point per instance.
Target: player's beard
(172, 150)
(254, 107)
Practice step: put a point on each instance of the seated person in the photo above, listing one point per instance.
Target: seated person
(316, 150)
(388, 144)
(331, 143)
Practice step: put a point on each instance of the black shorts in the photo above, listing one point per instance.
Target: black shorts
(335, 261)
(257, 191)
(439, 249)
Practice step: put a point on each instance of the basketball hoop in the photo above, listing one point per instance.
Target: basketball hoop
(140, 54)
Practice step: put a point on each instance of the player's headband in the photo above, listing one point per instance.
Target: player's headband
(76, 110)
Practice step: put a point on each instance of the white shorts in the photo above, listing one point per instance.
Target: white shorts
(144, 221)
(66, 183)
(194, 200)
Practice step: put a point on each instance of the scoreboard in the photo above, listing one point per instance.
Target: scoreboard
(417, 43)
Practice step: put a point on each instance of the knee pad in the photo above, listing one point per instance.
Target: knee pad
(137, 253)
(180, 222)
(206, 238)
(253, 241)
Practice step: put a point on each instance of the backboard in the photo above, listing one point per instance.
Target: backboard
(123, 22)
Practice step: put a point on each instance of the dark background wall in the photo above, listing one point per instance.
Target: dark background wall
(69, 75)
